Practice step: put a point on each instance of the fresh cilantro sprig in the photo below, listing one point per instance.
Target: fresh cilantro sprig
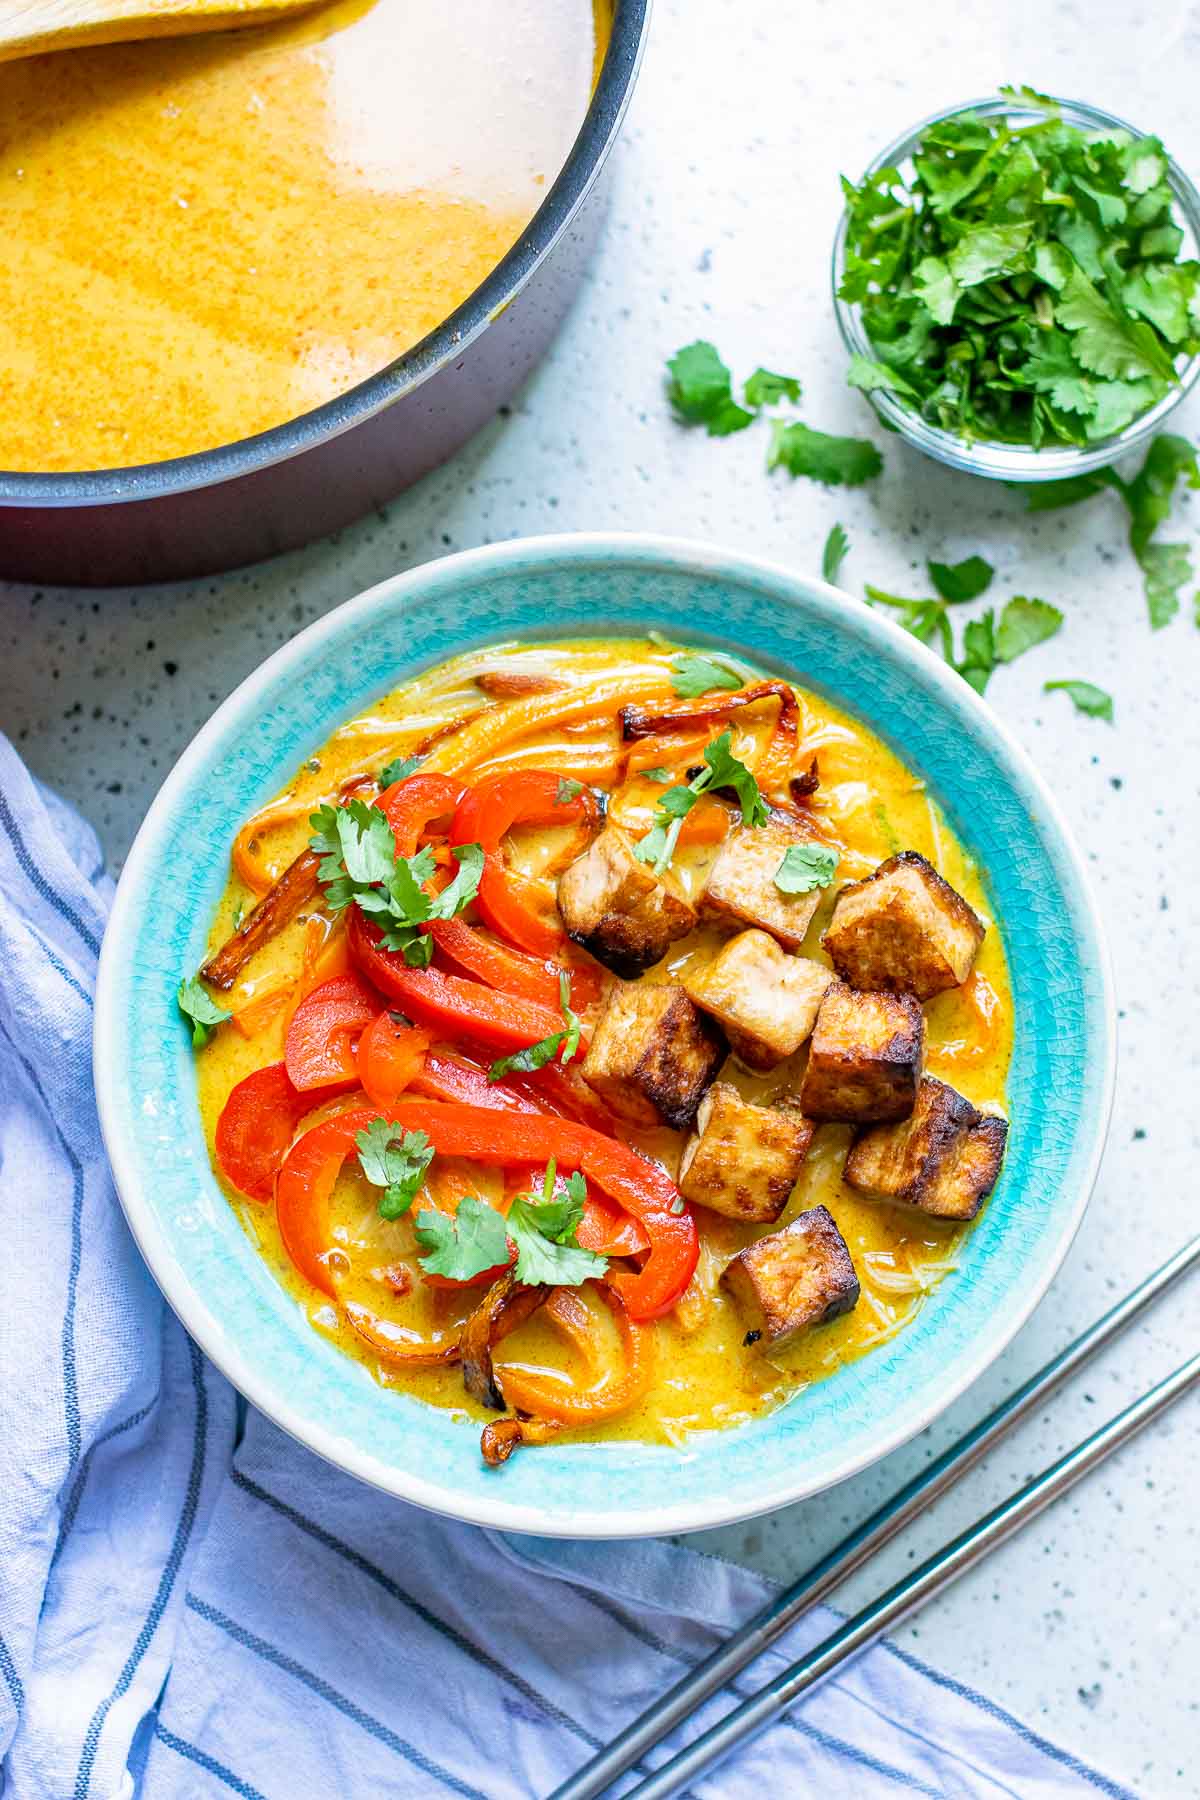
(986, 641)
(395, 1160)
(700, 389)
(806, 867)
(721, 770)
(1023, 283)
(360, 864)
(541, 1230)
(200, 1010)
(562, 1044)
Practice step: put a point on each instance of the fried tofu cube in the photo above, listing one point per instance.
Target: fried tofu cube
(741, 887)
(794, 1278)
(865, 1058)
(765, 1000)
(743, 1160)
(903, 929)
(945, 1159)
(618, 908)
(653, 1054)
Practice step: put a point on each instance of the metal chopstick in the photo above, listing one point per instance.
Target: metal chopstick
(760, 1632)
(945, 1566)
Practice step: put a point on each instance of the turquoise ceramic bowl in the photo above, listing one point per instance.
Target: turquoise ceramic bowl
(1061, 1078)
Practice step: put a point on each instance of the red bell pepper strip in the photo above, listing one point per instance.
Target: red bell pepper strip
(448, 1005)
(483, 1134)
(325, 1028)
(389, 1056)
(506, 901)
(413, 804)
(500, 966)
(257, 1123)
(447, 1077)
(609, 1230)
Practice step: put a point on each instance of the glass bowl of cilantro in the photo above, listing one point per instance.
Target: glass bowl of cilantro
(1016, 283)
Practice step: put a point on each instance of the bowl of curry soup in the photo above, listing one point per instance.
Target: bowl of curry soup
(256, 282)
(601, 1035)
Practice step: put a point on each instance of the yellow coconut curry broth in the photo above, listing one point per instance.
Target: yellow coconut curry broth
(868, 806)
(208, 236)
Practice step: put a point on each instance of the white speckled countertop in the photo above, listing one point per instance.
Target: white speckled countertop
(724, 207)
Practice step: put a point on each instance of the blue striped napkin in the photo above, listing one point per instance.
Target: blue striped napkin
(192, 1605)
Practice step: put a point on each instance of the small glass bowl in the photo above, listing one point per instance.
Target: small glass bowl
(985, 456)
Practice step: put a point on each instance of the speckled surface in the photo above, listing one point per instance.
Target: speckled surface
(724, 207)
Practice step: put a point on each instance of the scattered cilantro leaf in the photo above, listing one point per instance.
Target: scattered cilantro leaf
(660, 775)
(567, 790)
(462, 1244)
(700, 390)
(728, 772)
(399, 769)
(806, 867)
(1086, 698)
(1048, 496)
(961, 581)
(200, 1010)
(722, 770)
(360, 864)
(837, 544)
(834, 461)
(693, 675)
(562, 1045)
(766, 389)
(545, 1229)
(978, 651)
(395, 1160)
(1023, 624)
(1021, 280)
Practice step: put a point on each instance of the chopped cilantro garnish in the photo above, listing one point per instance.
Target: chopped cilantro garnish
(966, 580)
(398, 770)
(722, 770)
(567, 790)
(805, 867)
(1023, 282)
(544, 1229)
(462, 1244)
(561, 1044)
(200, 1010)
(395, 1160)
(836, 461)
(766, 389)
(660, 775)
(1024, 623)
(833, 556)
(359, 863)
(701, 393)
(1086, 698)
(693, 675)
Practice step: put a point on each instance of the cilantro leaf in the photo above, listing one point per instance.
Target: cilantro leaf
(395, 1160)
(979, 651)
(1048, 496)
(464, 1244)
(459, 893)
(693, 675)
(869, 376)
(960, 581)
(567, 790)
(837, 544)
(722, 770)
(700, 390)
(563, 1045)
(544, 1229)
(660, 775)
(1105, 343)
(1023, 624)
(806, 867)
(766, 389)
(1086, 699)
(359, 864)
(834, 461)
(399, 769)
(728, 772)
(200, 1010)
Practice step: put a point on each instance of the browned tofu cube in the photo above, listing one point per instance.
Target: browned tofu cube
(903, 929)
(765, 1000)
(945, 1159)
(618, 908)
(794, 1278)
(653, 1054)
(741, 888)
(742, 1160)
(865, 1058)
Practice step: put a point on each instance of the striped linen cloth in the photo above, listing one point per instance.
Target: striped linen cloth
(192, 1605)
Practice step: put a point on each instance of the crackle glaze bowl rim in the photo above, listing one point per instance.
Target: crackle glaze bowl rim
(1060, 1087)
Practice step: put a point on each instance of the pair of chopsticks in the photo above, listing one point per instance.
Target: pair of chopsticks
(865, 1627)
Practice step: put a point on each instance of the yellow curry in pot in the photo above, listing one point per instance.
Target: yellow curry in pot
(600, 1041)
(207, 236)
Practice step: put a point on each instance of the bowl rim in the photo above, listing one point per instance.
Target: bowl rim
(992, 457)
(413, 367)
(648, 550)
